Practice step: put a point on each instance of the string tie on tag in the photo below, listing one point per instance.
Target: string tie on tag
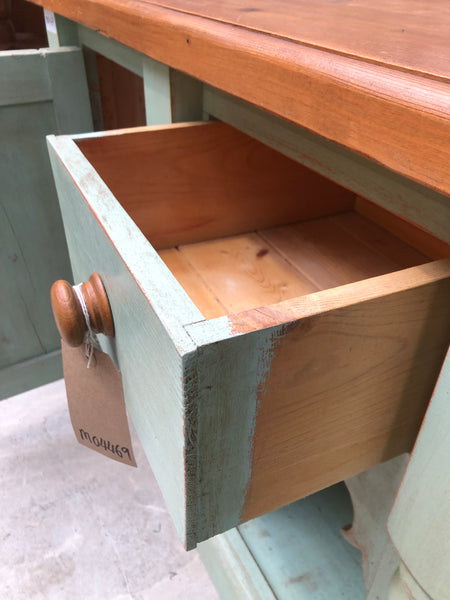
(91, 340)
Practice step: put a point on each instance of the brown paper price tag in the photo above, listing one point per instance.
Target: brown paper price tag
(96, 404)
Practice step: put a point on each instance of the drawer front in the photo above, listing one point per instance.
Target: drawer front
(101, 237)
(243, 408)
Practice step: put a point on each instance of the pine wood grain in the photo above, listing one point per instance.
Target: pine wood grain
(383, 32)
(347, 389)
(380, 102)
(193, 283)
(405, 230)
(244, 272)
(380, 240)
(122, 95)
(326, 254)
(189, 183)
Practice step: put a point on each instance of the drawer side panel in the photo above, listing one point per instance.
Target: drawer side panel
(300, 399)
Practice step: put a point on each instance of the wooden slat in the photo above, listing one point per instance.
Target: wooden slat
(326, 254)
(405, 230)
(352, 28)
(184, 184)
(244, 272)
(379, 240)
(383, 105)
(122, 95)
(192, 283)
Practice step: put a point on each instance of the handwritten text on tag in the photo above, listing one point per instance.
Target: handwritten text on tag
(96, 404)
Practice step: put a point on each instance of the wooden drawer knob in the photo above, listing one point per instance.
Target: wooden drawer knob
(68, 313)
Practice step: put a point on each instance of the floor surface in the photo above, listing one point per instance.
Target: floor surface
(75, 525)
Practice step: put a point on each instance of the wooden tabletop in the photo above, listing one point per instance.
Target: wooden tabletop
(374, 77)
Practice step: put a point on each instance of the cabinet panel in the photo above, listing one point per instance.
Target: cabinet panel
(42, 92)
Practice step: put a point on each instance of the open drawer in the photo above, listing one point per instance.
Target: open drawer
(275, 333)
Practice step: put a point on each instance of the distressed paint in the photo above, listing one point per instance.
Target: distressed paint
(148, 307)
(419, 523)
(230, 372)
(407, 198)
(238, 356)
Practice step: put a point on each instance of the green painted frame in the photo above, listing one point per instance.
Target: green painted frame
(42, 92)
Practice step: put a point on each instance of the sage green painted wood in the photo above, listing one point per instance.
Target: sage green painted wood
(170, 96)
(392, 191)
(157, 92)
(419, 523)
(187, 97)
(233, 569)
(298, 551)
(229, 373)
(44, 92)
(149, 309)
(90, 64)
(66, 33)
(119, 53)
(31, 373)
(301, 552)
(70, 96)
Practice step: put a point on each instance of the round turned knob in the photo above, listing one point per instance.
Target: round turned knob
(68, 312)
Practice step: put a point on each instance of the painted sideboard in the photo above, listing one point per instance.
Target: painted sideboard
(295, 115)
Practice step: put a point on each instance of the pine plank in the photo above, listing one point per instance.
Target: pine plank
(192, 283)
(190, 183)
(244, 272)
(352, 28)
(381, 102)
(407, 231)
(379, 240)
(327, 255)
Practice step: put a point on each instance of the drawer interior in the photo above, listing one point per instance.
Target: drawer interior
(242, 226)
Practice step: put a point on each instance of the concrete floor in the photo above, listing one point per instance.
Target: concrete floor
(77, 526)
